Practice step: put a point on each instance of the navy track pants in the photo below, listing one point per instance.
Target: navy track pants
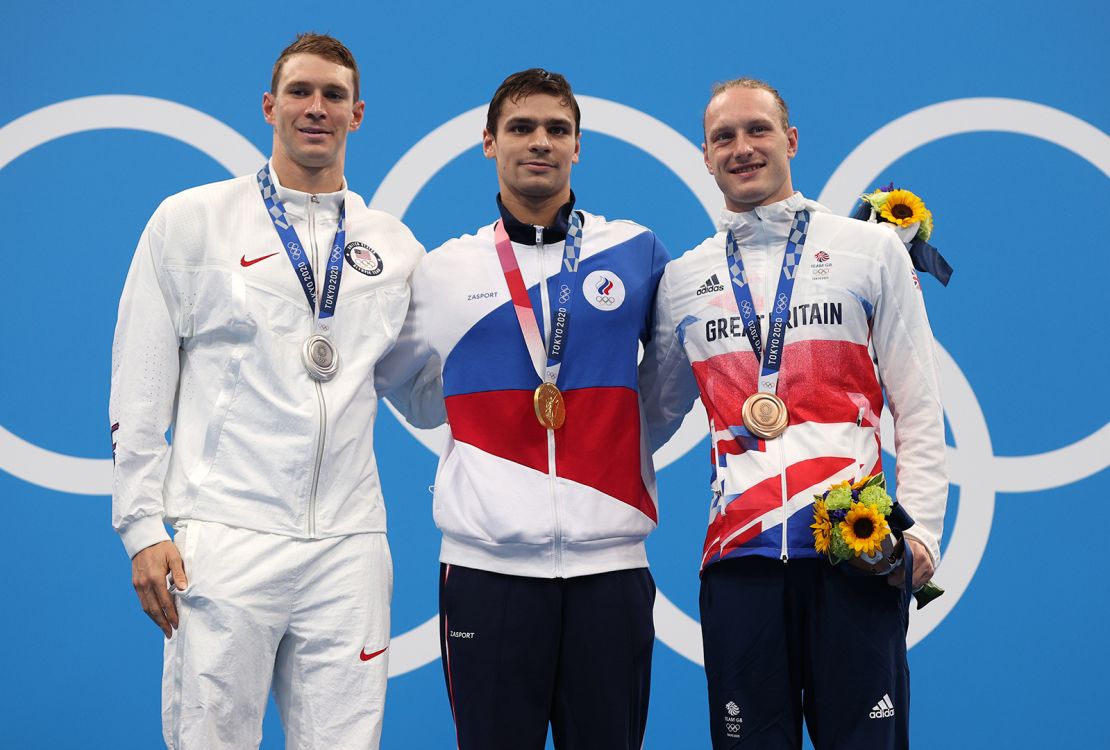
(783, 641)
(520, 653)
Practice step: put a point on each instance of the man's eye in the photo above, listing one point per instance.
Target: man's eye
(758, 130)
(557, 130)
(518, 129)
(335, 96)
(721, 137)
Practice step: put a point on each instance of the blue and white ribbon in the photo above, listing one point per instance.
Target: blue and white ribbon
(770, 359)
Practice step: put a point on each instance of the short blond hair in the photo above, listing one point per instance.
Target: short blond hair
(750, 83)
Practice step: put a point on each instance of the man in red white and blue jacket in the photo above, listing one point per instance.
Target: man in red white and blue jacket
(546, 600)
(778, 621)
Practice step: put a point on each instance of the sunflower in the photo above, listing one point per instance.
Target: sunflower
(903, 208)
(864, 529)
(822, 527)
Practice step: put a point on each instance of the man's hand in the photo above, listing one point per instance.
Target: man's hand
(149, 569)
(922, 566)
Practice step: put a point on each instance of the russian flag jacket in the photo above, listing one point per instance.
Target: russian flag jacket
(510, 495)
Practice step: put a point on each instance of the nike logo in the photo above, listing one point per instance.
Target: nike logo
(244, 262)
(367, 657)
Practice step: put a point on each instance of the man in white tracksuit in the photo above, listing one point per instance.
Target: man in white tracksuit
(250, 324)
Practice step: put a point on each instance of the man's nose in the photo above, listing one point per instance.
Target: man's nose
(540, 141)
(316, 105)
(743, 147)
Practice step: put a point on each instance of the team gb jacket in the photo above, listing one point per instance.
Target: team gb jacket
(856, 329)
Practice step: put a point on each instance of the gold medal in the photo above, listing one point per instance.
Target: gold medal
(550, 409)
(765, 415)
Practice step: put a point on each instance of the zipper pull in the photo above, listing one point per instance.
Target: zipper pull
(315, 198)
(539, 235)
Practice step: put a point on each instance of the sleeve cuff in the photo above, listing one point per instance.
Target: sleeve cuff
(142, 533)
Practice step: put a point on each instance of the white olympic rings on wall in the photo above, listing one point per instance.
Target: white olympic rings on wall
(972, 464)
(57, 471)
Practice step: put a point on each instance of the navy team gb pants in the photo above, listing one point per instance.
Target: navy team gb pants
(783, 641)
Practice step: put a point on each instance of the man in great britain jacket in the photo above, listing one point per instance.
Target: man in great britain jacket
(779, 622)
(252, 318)
(546, 490)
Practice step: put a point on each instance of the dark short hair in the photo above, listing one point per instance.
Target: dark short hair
(528, 82)
(750, 83)
(321, 45)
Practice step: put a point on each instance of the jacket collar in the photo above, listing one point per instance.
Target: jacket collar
(769, 217)
(296, 202)
(525, 234)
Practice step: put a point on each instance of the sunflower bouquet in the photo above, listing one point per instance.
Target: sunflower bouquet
(906, 214)
(903, 209)
(850, 523)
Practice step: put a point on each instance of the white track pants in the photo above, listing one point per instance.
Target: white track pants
(309, 618)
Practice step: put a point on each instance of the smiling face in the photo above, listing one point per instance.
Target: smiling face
(312, 109)
(534, 145)
(747, 149)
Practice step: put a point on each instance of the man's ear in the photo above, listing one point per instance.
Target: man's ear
(268, 104)
(357, 114)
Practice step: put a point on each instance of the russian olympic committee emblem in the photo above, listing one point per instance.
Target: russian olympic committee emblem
(603, 290)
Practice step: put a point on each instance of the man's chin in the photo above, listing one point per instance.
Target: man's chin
(747, 197)
(313, 159)
(537, 191)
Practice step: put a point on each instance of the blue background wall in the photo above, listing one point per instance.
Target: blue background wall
(1012, 657)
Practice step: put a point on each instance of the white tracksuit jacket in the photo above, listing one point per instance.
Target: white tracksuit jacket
(208, 343)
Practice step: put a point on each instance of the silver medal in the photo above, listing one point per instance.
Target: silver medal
(320, 358)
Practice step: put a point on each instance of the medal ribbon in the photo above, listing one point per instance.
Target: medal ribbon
(771, 359)
(297, 255)
(526, 315)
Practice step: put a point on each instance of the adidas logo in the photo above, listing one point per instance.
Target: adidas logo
(884, 709)
(712, 284)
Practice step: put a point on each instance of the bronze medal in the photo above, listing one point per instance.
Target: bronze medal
(765, 415)
(550, 409)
